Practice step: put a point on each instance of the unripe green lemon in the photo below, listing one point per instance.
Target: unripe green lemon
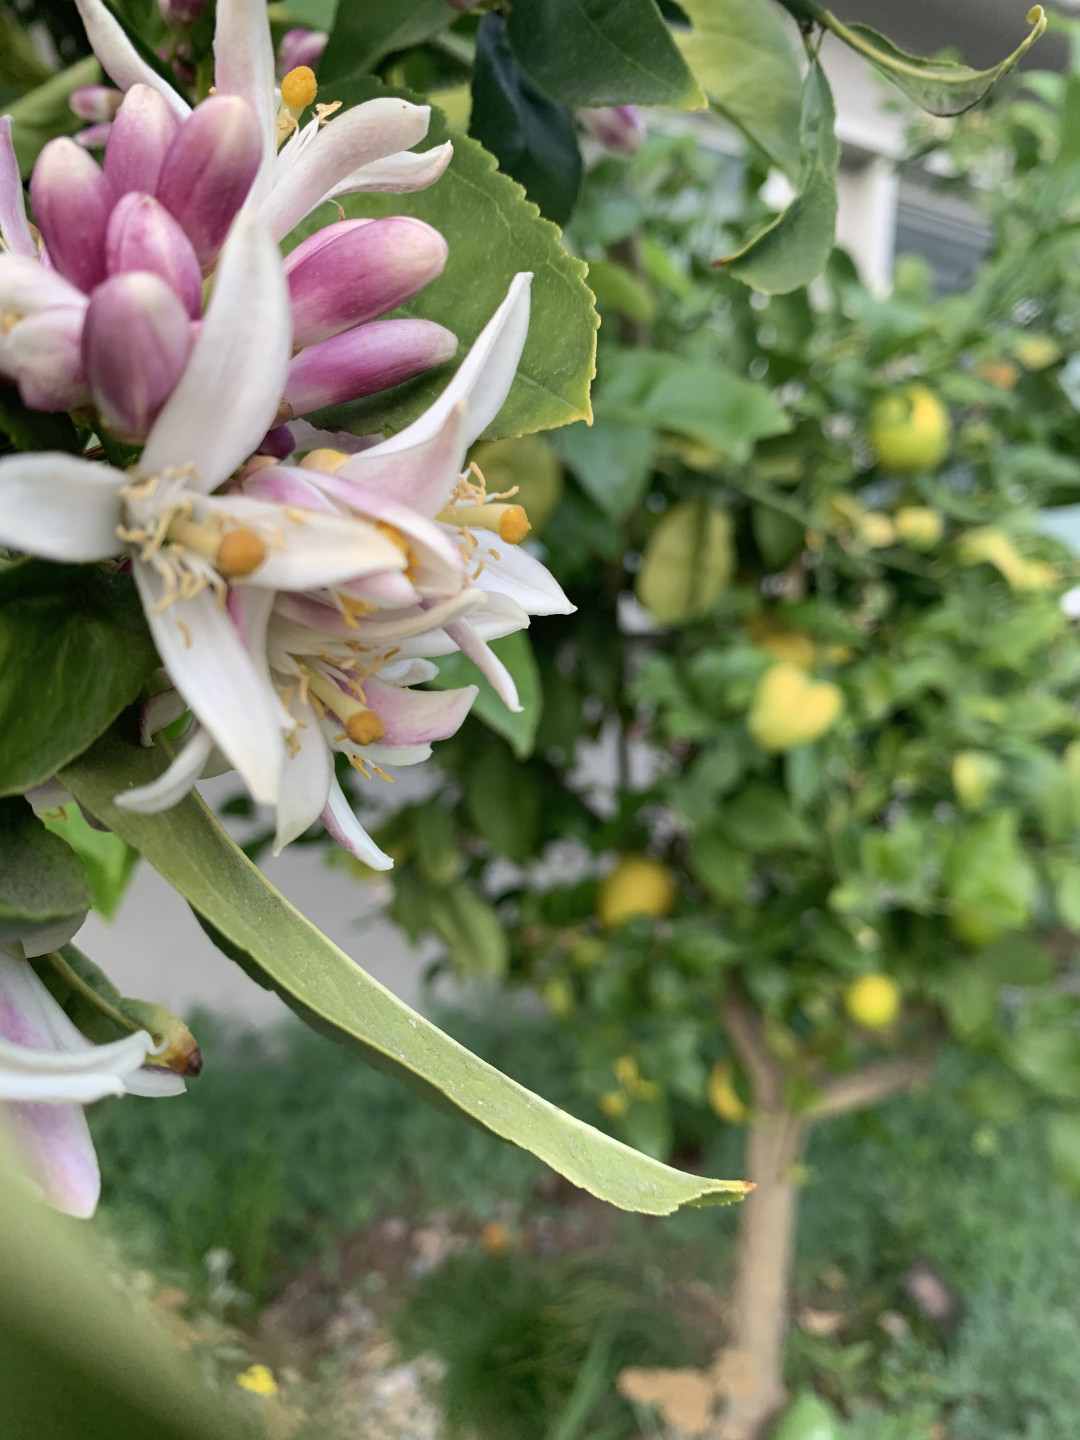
(638, 885)
(873, 1001)
(788, 708)
(910, 430)
(919, 527)
(974, 776)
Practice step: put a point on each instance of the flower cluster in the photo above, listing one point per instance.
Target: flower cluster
(297, 596)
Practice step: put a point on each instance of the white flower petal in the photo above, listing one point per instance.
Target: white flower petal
(422, 475)
(487, 662)
(398, 174)
(159, 712)
(154, 1082)
(418, 717)
(119, 59)
(482, 380)
(204, 654)
(305, 779)
(366, 133)
(340, 823)
(174, 783)
(60, 507)
(228, 395)
(521, 576)
(14, 231)
(53, 1144)
(251, 609)
(244, 66)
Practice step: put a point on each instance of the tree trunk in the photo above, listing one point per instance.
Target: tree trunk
(749, 1374)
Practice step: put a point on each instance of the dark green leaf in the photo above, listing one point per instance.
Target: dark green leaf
(515, 652)
(260, 929)
(366, 31)
(612, 462)
(472, 931)
(943, 87)
(34, 429)
(794, 248)
(493, 232)
(742, 54)
(41, 879)
(74, 651)
(601, 52)
(533, 137)
(503, 803)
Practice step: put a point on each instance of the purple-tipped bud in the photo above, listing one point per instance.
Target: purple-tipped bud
(278, 442)
(300, 47)
(369, 358)
(617, 127)
(176, 13)
(142, 235)
(44, 352)
(209, 170)
(136, 342)
(361, 273)
(142, 132)
(95, 103)
(94, 137)
(71, 200)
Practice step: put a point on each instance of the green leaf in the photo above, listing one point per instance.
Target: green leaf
(35, 429)
(620, 289)
(808, 1419)
(688, 562)
(742, 54)
(601, 52)
(791, 251)
(45, 113)
(759, 819)
(74, 651)
(41, 879)
(705, 401)
(493, 232)
(1063, 1133)
(109, 863)
(515, 652)
(286, 952)
(613, 462)
(533, 137)
(503, 803)
(989, 880)
(366, 31)
(943, 87)
(528, 465)
(77, 1356)
(472, 931)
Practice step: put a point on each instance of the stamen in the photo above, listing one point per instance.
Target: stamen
(240, 553)
(365, 727)
(299, 88)
(510, 521)
(327, 462)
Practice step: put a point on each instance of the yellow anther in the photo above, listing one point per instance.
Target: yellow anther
(327, 462)
(255, 464)
(365, 727)
(510, 522)
(240, 553)
(299, 88)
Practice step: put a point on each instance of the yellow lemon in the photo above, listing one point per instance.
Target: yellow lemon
(723, 1097)
(637, 886)
(988, 545)
(1035, 352)
(259, 1379)
(974, 776)
(875, 530)
(790, 709)
(613, 1103)
(919, 527)
(873, 1001)
(910, 430)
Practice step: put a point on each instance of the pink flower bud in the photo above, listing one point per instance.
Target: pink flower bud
(360, 273)
(136, 341)
(369, 358)
(44, 352)
(176, 13)
(95, 103)
(617, 127)
(278, 442)
(71, 200)
(209, 170)
(300, 47)
(142, 132)
(142, 235)
(94, 137)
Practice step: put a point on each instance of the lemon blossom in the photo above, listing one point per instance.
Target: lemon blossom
(187, 548)
(368, 147)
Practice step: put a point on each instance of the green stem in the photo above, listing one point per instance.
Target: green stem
(70, 977)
